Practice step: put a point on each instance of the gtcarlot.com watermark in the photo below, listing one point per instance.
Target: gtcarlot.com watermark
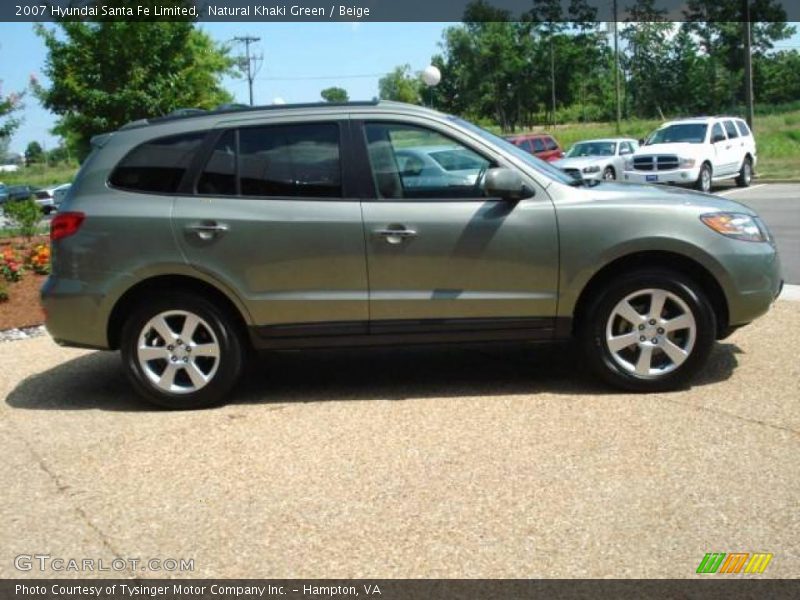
(59, 564)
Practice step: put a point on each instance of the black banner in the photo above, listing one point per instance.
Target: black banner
(393, 10)
(713, 588)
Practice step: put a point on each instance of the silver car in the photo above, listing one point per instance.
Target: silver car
(593, 160)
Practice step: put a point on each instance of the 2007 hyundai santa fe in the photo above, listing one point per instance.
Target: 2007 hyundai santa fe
(189, 240)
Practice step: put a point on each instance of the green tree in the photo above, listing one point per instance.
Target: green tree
(8, 122)
(718, 26)
(646, 62)
(400, 85)
(34, 153)
(108, 73)
(334, 94)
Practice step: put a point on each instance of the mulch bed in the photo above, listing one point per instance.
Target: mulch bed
(22, 309)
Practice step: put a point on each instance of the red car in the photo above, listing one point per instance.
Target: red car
(540, 145)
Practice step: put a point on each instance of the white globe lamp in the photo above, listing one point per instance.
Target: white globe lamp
(431, 76)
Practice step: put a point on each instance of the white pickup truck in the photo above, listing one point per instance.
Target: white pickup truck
(697, 151)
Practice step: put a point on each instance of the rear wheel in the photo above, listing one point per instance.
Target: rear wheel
(703, 182)
(745, 173)
(181, 352)
(648, 331)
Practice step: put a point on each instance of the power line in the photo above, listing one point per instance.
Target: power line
(319, 77)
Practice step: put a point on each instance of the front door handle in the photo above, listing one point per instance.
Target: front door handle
(207, 230)
(395, 235)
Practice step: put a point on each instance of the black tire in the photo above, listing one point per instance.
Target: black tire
(745, 173)
(593, 323)
(228, 340)
(609, 174)
(704, 182)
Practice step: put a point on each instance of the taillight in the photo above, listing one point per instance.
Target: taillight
(65, 224)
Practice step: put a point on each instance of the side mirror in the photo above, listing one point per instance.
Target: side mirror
(641, 141)
(506, 184)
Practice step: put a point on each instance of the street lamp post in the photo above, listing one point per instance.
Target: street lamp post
(431, 76)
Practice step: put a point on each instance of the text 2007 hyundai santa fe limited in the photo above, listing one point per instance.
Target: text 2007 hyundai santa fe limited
(190, 240)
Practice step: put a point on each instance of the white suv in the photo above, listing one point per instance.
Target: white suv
(695, 152)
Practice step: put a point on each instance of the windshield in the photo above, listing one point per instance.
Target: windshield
(592, 149)
(529, 159)
(692, 133)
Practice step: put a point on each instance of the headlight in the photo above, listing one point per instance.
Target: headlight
(629, 164)
(737, 225)
(592, 169)
(686, 163)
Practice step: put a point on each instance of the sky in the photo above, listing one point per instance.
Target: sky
(300, 59)
(350, 55)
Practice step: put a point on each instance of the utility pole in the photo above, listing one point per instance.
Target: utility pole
(748, 64)
(553, 78)
(616, 70)
(253, 62)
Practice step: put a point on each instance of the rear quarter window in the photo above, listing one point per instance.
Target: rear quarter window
(158, 165)
(744, 130)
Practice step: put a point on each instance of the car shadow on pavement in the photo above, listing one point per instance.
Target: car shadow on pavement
(97, 380)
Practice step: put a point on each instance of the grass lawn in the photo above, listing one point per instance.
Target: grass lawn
(41, 175)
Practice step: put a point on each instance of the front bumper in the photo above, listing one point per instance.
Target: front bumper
(675, 176)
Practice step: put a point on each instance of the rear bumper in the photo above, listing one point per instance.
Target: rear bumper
(73, 316)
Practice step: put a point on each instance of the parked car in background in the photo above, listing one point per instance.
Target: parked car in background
(20, 192)
(437, 165)
(9, 168)
(541, 145)
(593, 160)
(696, 152)
(49, 198)
(3, 192)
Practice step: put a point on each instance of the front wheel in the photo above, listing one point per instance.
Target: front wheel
(609, 174)
(181, 351)
(703, 182)
(648, 331)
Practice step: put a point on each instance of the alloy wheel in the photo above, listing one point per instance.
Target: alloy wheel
(651, 332)
(178, 352)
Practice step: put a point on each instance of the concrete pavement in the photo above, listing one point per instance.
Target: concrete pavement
(490, 462)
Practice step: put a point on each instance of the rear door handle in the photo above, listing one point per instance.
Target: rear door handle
(395, 235)
(207, 230)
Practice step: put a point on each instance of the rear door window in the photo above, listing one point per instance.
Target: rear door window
(731, 129)
(219, 175)
(290, 160)
(157, 166)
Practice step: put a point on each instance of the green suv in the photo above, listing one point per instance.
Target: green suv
(190, 240)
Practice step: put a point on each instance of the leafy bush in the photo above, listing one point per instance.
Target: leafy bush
(24, 216)
(11, 265)
(38, 259)
(3, 292)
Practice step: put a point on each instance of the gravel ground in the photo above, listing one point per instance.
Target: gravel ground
(490, 462)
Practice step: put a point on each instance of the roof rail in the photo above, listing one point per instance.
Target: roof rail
(185, 113)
